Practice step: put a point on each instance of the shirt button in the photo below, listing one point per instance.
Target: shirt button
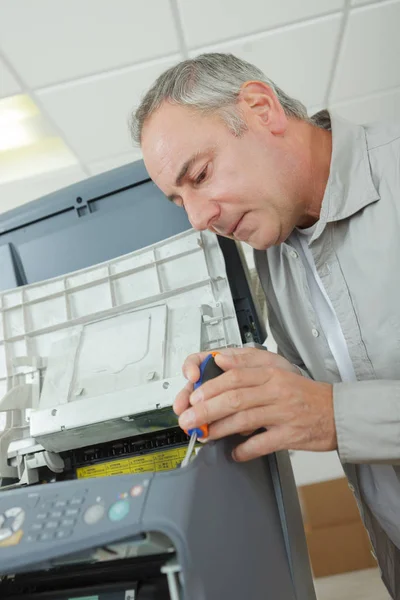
(315, 332)
(293, 254)
(351, 488)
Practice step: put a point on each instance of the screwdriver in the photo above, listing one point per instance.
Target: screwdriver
(208, 370)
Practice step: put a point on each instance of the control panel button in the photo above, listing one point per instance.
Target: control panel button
(56, 514)
(119, 510)
(51, 525)
(31, 537)
(5, 533)
(37, 526)
(18, 521)
(63, 533)
(72, 512)
(136, 491)
(42, 516)
(75, 501)
(93, 514)
(68, 522)
(12, 540)
(46, 536)
(13, 512)
(60, 504)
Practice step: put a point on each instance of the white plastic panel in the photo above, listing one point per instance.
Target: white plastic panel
(114, 338)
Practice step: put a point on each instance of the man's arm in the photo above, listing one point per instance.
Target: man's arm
(367, 417)
(367, 413)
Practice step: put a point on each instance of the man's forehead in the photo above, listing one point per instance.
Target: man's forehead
(171, 136)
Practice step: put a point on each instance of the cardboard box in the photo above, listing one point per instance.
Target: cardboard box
(328, 503)
(336, 537)
(339, 549)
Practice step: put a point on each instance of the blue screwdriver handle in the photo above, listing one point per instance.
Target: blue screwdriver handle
(208, 370)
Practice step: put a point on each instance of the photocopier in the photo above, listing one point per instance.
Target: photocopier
(104, 291)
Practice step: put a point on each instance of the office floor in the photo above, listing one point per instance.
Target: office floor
(358, 585)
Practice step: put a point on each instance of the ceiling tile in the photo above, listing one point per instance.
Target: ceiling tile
(9, 86)
(231, 18)
(79, 38)
(93, 115)
(113, 162)
(367, 62)
(24, 190)
(289, 57)
(379, 107)
(360, 2)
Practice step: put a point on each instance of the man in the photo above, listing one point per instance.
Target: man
(319, 201)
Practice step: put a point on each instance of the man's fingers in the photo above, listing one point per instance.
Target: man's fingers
(182, 401)
(222, 406)
(242, 357)
(191, 366)
(247, 421)
(234, 379)
(261, 444)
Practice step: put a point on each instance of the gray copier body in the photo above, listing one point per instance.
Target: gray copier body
(212, 530)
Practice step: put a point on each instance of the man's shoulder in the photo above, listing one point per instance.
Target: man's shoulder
(380, 134)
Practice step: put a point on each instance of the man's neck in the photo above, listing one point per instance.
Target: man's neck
(318, 145)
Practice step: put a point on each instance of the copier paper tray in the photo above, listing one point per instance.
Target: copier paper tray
(93, 503)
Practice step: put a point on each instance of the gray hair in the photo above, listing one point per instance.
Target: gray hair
(209, 83)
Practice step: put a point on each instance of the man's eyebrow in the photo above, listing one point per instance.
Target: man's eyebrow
(185, 168)
(182, 173)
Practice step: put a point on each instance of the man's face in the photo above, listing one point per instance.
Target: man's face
(239, 187)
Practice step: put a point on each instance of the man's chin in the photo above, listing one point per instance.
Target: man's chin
(260, 243)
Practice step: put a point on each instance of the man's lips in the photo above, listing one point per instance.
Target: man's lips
(231, 230)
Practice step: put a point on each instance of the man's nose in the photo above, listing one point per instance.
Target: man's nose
(201, 212)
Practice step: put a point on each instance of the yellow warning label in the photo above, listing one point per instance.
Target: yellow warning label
(164, 460)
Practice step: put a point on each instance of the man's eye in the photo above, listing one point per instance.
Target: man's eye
(201, 177)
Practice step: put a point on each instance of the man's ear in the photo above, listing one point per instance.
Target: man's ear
(260, 100)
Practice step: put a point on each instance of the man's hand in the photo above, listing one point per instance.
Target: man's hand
(259, 389)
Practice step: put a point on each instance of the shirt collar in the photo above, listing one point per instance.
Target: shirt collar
(350, 187)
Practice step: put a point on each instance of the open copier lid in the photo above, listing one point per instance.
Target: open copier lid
(106, 291)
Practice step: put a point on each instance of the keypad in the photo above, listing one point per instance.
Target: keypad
(55, 519)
